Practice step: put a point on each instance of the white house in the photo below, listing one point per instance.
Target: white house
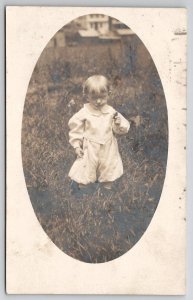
(96, 22)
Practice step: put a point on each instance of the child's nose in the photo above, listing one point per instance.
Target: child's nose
(98, 101)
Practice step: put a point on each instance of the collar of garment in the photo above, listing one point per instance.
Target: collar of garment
(106, 109)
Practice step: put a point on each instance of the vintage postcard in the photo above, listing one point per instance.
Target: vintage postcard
(96, 150)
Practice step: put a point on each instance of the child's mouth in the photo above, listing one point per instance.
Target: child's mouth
(99, 103)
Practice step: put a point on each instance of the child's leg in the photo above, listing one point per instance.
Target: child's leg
(74, 186)
(80, 189)
(76, 190)
(107, 185)
(110, 166)
(77, 185)
(82, 186)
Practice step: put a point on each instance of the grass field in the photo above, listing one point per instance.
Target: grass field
(95, 228)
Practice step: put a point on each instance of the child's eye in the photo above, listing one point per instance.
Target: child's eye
(103, 91)
(95, 96)
(103, 94)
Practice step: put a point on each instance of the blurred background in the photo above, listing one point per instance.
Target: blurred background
(95, 228)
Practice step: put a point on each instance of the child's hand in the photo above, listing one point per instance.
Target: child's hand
(79, 152)
(117, 119)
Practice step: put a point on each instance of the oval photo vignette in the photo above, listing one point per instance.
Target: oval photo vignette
(94, 226)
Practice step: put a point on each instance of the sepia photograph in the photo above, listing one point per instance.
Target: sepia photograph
(96, 150)
(95, 138)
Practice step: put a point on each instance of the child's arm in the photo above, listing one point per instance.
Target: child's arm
(120, 124)
(76, 125)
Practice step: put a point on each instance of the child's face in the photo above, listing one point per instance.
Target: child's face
(97, 100)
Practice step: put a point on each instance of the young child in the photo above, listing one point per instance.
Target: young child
(92, 136)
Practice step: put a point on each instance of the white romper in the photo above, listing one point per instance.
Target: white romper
(93, 130)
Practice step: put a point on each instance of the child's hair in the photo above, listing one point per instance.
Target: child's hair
(96, 84)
